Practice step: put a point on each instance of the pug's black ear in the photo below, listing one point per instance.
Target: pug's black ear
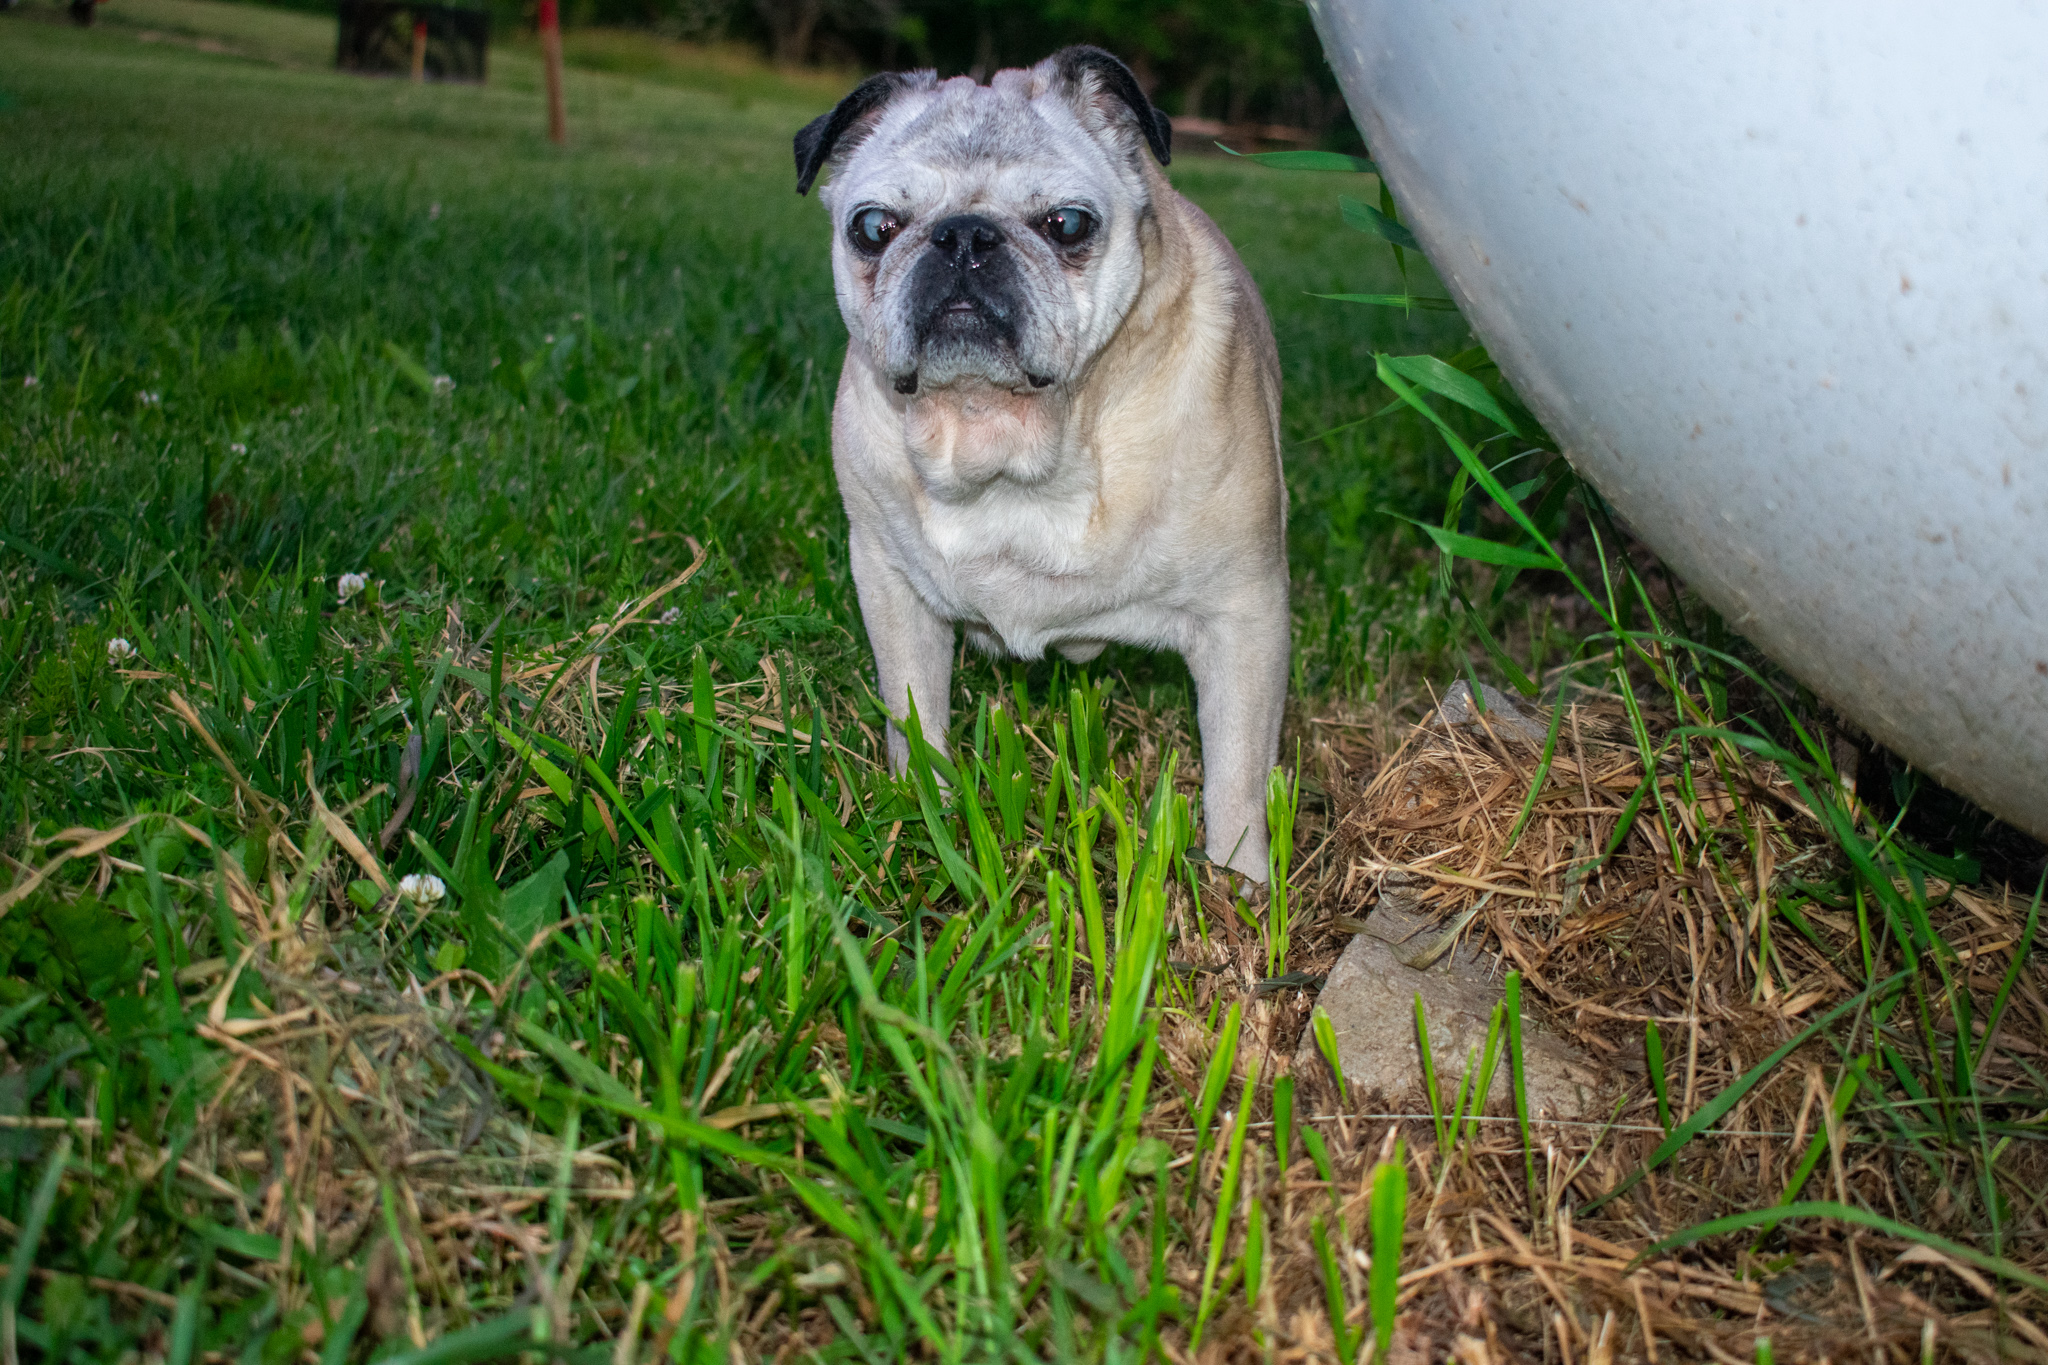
(1091, 72)
(819, 140)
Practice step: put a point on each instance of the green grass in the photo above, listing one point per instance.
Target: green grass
(903, 1036)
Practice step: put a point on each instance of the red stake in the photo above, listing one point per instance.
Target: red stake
(551, 63)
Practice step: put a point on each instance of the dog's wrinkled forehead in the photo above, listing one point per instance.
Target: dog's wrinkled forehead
(973, 132)
(1081, 105)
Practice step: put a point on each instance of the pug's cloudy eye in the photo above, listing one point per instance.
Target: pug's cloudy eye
(1069, 226)
(871, 229)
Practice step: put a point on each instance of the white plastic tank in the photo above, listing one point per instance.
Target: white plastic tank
(1776, 276)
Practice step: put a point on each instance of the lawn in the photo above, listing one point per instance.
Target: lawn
(456, 907)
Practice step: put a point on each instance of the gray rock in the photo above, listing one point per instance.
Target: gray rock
(1503, 713)
(1370, 998)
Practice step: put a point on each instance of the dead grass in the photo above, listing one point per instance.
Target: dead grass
(1676, 927)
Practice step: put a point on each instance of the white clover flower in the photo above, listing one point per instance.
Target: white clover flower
(237, 448)
(119, 651)
(29, 381)
(422, 888)
(443, 386)
(671, 616)
(148, 398)
(433, 211)
(351, 584)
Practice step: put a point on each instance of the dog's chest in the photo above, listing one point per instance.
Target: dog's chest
(1020, 560)
(1000, 519)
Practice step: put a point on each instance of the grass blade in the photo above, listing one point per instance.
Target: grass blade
(1218, 1075)
(1485, 478)
(1226, 1199)
(1326, 1043)
(518, 1331)
(1253, 1260)
(1283, 803)
(1283, 1122)
(1518, 1075)
(1905, 1232)
(1653, 1055)
(25, 1243)
(1387, 1220)
(1431, 1091)
(1543, 762)
(1462, 546)
(1305, 160)
(1372, 222)
(1333, 1293)
(1845, 1093)
(1448, 381)
(1401, 301)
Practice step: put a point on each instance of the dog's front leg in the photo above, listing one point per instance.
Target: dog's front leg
(1239, 665)
(913, 648)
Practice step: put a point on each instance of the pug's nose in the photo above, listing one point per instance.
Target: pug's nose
(966, 240)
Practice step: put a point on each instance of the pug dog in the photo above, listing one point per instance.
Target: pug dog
(1058, 423)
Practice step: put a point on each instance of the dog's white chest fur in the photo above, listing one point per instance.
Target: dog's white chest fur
(994, 512)
(1018, 567)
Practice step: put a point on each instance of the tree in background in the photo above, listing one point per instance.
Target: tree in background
(791, 25)
(1233, 60)
(1241, 62)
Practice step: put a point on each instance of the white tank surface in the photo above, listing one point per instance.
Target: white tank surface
(1776, 275)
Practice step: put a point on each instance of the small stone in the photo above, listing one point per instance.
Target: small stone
(1503, 713)
(1370, 998)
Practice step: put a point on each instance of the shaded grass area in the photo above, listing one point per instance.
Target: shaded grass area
(524, 951)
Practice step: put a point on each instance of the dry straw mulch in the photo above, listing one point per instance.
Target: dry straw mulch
(1674, 928)
(363, 1128)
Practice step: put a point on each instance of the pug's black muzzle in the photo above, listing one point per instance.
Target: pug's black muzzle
(964, 292)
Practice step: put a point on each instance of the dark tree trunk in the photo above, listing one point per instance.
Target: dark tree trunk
(791, 26)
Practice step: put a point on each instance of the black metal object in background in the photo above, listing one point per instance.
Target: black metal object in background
(377, 38)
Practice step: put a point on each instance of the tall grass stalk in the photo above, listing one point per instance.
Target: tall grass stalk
(1333, 1292)
(1283, 802)
(1387, 1220)
(1226, 1198)
(1518, 1079)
